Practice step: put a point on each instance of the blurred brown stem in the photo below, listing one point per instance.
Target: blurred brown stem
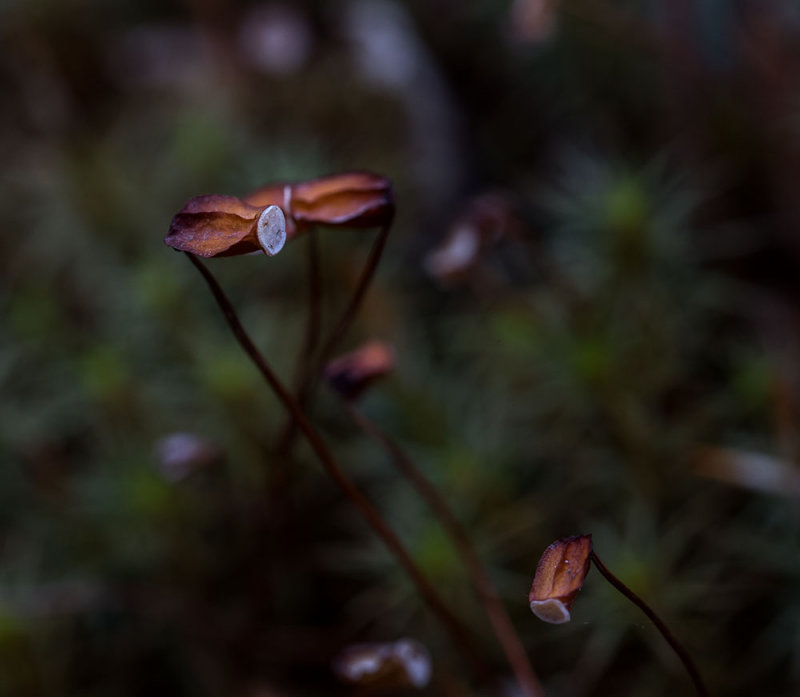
(679, 649)
(352, 308)
(456, 630)
(487, 594)
(314, 319)
(310, 376)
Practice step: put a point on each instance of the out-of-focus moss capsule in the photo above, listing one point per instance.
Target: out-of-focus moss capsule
(380, 666)
(353, 372)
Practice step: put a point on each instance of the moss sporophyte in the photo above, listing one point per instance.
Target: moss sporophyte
(216, 225)
(263, 221)
(561, 573)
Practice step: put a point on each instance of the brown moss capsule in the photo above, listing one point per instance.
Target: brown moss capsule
(217, 226)
(354, 199)
(559, 576)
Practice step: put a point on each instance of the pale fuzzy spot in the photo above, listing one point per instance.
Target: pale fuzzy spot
(180, 454)
(552, 611)
(271, 230)
(416, 660)
(363, 665)
(456, 255)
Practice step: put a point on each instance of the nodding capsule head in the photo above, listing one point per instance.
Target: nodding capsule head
(559, 576)
(271, 229)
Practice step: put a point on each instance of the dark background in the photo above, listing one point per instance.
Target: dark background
(622, 360)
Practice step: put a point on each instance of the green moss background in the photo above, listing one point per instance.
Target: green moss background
(644, 307)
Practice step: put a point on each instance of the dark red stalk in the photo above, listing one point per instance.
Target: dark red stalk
(310, 379)
(354, 305)
(487, 594)
(456, 630)
(305, 359)
(314, 319)
(679, 649)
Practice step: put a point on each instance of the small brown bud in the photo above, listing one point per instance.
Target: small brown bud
(353, 372)
(403, 663)
(217, 226)
(559, 576)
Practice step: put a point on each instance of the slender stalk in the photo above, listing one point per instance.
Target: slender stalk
(304, 361)
(487, 594)
(314, 318)
(354, 305)
(679, 649)
(456, 630)
(308, 382)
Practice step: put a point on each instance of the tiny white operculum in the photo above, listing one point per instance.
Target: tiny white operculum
(552, 610)
(271, 230)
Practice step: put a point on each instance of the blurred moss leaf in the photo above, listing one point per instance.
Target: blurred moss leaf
(105, 373)
(157, 287)
(592, 360)
(515, 331)
(227, 374)
(626, 208)
(35, 313)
